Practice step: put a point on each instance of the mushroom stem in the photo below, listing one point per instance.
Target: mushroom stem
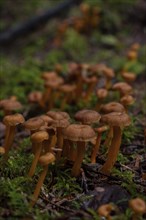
(96, 148)
(66, 148)
(10, 133)
(107, 141)
(39, 185)
(113, 150)
(35, 160)
(95, 151)
(77, 165)
(72, 152)
(59, 142)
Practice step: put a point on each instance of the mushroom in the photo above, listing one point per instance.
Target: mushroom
(101, 95)
(52, 88)
(105, 211)
(109, 74)
(68, 91)
(11, 121)
(128, 77)
(33, 125)
(87, 116)
(126, 101)
(37, 139)
(138, 207)
(112, 107)
(118, 121)
(44, 161)
(9, 106)
(47, 77)
(61, 120)
(80, 134)
(107, 108)
(99, 131)
(123, 88)
(91, 85)
(35, 97)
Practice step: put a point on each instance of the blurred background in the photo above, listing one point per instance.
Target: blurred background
(36, 35)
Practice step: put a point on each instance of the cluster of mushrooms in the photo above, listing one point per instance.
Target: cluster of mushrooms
(137, 206)
(55, 135)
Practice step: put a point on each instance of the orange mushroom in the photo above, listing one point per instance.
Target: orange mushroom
(80, 134)
(118, 121)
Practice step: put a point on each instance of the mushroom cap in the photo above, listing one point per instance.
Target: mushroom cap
(128, 76)
(77, 132)
(46, 159)
(138, 205)
(11, 105)
(49, 75)
(127, 100)
(108, 72)
(61, 123)
(54, 83)
(13, 120)
(39, 136)
(34, 97)
(47, 119)
(105, 210)
(88, 80)
(72, 68)
(101, 93)
(112, 107)
(67, 88)
(58, 115)
(122, 87)
(120, 119)
(34, 123)
(97, 68)
(87, 116)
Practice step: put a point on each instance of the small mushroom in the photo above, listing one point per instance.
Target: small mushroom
(68, 92)
(37, 139)
(44, 161)
(61, 120)
(105, 211)
(87, 116)
(35, 97)
(129, 77)
(123, 88)
(80, 134)
(138, 207)
(107, 108)
(99, 131)
(112, 107)
(118, 121)
(33, 125)
(126, 101)
(91, 85)
(109, 75)
(101, 95)
(10, 106)
(11, 122)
